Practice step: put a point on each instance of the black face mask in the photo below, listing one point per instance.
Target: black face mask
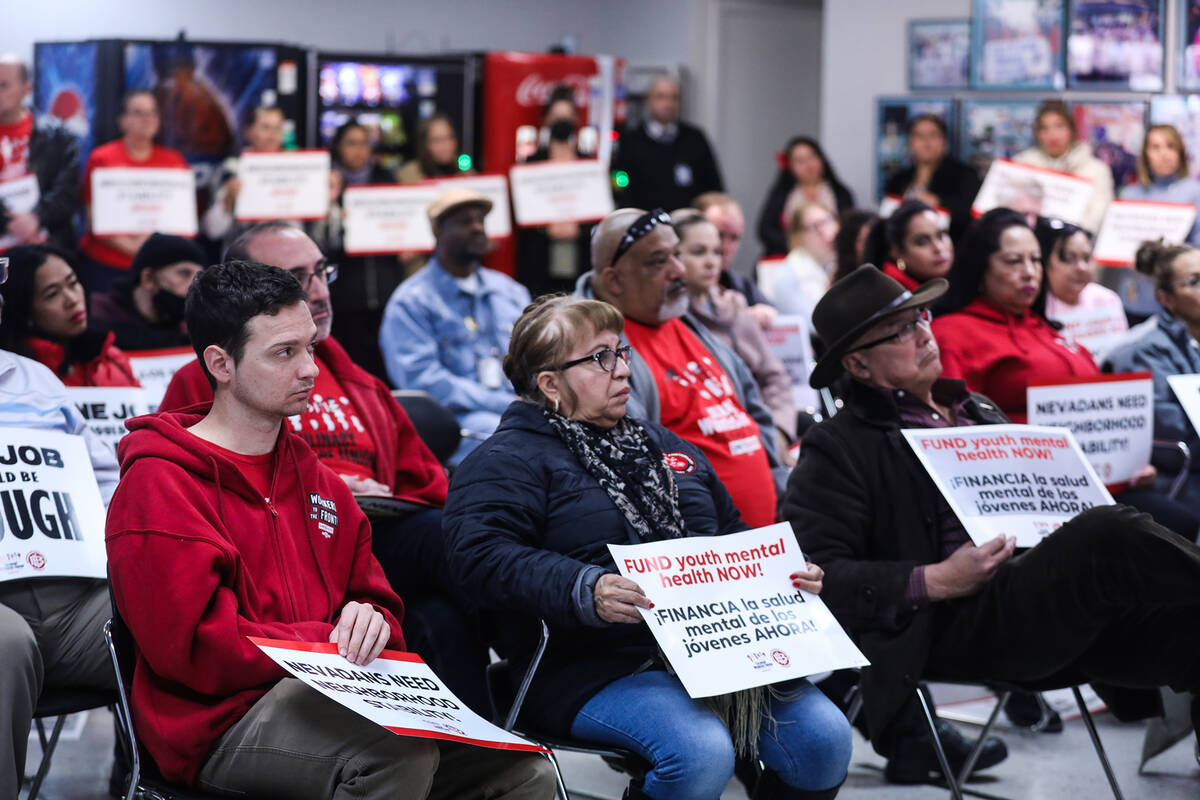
(562, 130)
(169, 307)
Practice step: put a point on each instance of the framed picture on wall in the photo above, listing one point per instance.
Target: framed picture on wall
(1116, 45)
(1189, 44)
(1184, 114)
(1115, 132)
(938, 53)
(1017, 44)
(994, 129)
(892, 115)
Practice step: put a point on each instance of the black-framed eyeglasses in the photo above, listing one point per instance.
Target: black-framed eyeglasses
(907, 332)
(327, 271)
(606, 358)
(640, 227)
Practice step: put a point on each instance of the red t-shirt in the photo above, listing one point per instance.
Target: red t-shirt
(255, 469)
(14, 148)
(698, 403)
(114, 154)
(332, 428)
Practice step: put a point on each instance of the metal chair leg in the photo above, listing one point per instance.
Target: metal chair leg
(955, 792)
(48, 745)
(558, 777)
(969, 765)
(1091, 729)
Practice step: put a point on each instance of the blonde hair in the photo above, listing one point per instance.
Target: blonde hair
(1144, 176)
(796, 220)
(545, 334)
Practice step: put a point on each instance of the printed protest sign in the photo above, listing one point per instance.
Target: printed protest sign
(1009, 480)
(128, 200)
(789, 340)
(18, 196)
(726, 614)
(285, 185)
(1187, 390)
(1031, 189)
(105, 409)
(1128, 223)
(560, 191)
(1111, 416)
(397, 691)
(51, 514)
(1097, 329)
(155, 368)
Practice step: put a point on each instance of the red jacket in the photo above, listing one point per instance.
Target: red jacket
(907, 281)
(997, 354)
(199, 561)
(402, 461)
(110, 368)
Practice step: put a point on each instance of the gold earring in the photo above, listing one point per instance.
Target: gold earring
(900, 265)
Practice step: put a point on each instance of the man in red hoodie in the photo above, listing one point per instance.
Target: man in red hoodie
(359, 430)
(213, 535)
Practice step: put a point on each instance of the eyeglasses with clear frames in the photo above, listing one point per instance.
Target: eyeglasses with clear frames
(327, 271)
(906, 333)
(606, 358)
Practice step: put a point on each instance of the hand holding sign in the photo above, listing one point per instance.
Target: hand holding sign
(968, 568)
(618, 599)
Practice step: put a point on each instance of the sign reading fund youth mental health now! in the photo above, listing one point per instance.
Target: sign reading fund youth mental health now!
(51, 514)
(284, 185)
(1009, 480)
(128, 200)
(1111, 416)
(790, 342)
(105, 409)
(726, 614)
(397, 691)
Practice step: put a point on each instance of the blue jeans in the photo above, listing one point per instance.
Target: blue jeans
(689, 749)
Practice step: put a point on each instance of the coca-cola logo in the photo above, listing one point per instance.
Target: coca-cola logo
(535, 89)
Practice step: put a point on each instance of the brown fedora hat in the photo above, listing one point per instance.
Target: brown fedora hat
(854, 304)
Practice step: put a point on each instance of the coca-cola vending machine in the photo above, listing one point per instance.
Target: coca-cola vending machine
(516, 86)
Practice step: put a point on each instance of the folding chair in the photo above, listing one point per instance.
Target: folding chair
(58, 704)
(1167, 455)
(500, 695)
(435, 424)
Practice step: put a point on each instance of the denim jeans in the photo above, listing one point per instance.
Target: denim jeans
(689, 749)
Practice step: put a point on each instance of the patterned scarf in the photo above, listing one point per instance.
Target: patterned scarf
(633, 473)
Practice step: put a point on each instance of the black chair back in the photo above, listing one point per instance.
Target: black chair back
(436, 425)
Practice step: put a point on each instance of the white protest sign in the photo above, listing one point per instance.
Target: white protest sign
(1128, 223)
(51, 514)
(391, 218)
(397, 691)
(283, 185)
(726, 614)
(155, 368)
(18, 196)
(105, 409)
(130, 200)
(1111, 416)
(1027, 188)
(560, 191)
(1097, 329)
(1187, 391)
(1011, 480)
(790, 342)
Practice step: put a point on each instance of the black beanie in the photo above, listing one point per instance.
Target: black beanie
(161, 250)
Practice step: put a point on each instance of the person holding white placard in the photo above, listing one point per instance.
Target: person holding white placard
(226, 526)
(1059, 147)
(107, 258)
(529, 518)
(1106, 598)
(50, 628)
(1162, 172)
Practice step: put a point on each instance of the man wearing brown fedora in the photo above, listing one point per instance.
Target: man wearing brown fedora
(1105, 599)
(447, 327)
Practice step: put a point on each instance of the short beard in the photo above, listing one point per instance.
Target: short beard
(673, 309)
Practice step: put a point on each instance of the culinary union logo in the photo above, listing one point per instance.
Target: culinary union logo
(36, 559)
(780, 658)
(534, 89)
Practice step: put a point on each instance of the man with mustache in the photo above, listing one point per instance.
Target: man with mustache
(680, 375)
(447, 327)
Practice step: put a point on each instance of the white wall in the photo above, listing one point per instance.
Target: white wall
(864, 56)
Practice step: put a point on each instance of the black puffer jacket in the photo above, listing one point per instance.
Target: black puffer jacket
(54, 158)
(523, 520)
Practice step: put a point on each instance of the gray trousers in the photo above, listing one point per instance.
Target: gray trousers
(51, 636)
(296, 743)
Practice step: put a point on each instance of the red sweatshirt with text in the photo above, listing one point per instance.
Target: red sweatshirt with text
(199, 561)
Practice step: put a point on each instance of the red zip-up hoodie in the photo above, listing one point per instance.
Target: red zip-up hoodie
(199, 561)
(997, 354)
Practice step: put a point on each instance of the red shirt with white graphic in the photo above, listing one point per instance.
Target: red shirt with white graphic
(699, 404)
(332, 428)
(14, 148)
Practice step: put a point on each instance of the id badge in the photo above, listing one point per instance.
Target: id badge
(489, 372)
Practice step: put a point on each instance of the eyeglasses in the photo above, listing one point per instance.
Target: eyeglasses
(606, 358)
(640, 227)
(1191, 282)
(907, 332)
(327, 271)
